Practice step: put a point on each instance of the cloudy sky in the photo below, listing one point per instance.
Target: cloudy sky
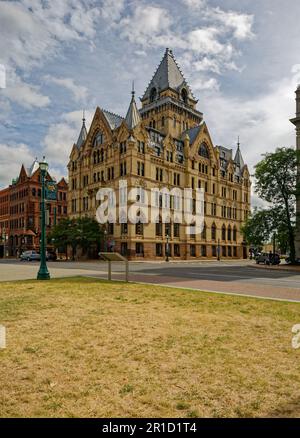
(241, 58)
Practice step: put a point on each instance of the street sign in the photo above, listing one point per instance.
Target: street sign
(51, 190)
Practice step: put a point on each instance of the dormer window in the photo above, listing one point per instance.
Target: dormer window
(99, 139)
(184, 95)
(153, 95)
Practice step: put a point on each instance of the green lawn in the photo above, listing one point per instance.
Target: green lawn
(86, 348)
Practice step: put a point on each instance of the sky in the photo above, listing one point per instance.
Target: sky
(240, 57)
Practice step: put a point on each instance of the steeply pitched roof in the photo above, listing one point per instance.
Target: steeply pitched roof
(83, 135)
(239, 158)
(167, 75)
(193, 132)
(33, 168)
(133, 117)
(114, 120)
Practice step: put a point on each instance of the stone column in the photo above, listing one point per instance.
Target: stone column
(296, 122)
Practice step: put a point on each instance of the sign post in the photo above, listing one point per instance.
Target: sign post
(115, 257)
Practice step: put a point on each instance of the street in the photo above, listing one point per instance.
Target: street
(231, 277)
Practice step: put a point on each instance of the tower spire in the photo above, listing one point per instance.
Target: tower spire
(83, 132)
(133, 117)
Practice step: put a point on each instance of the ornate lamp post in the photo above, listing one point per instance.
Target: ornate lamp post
(167, 248)
(43, 273)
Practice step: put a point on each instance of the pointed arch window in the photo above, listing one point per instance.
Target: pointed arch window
(229, 233)
(99, 139)
(203, 151)
(184, 95)
(234, 233)
(223, 232)
(153, 94)
(213, 232)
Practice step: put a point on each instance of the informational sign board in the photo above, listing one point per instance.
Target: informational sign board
(115, 257)
(51, 191)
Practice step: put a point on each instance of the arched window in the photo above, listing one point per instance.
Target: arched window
(139, 228)
(203, 234)
(95, 157)
(203, 151)
(223, 232)
(184, 95)
(99, 139)
(158, 228)
(213, 232)
(229, 233)
(174, 122)
(234, 233)
(154, 124)
(102, 155)
(163, 121)
(153, 94)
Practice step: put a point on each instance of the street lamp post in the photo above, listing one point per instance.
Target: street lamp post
(43, 273)
(167, 248)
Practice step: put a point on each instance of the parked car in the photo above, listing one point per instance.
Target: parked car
(289, 262)
(30, 256)
(268, 259)
(51, 256)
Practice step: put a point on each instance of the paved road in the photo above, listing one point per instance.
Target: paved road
(233, 277)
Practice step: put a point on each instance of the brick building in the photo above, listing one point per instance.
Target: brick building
(20, 211)
(165, 143)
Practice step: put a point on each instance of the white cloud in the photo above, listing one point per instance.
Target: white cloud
(61, 136)
(195, 4)
(240, 24)
(204, 84)
(208, 44)
(111, 10)
(145, 25)
(79, 92)
(262, 121)
(33, 31)
(25, 95)
(11, 157)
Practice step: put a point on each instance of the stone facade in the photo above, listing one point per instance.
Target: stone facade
(296, 122)
(20, 211)
(166, 143)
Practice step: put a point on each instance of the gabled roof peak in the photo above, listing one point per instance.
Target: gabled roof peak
(167, 75)
(133, 117)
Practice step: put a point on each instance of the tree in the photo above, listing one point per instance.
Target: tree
(257, 229)
(261, 226)
(276, 177)
(80, 232)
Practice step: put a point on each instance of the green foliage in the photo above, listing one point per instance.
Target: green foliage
(276, 177)
(80, 232)
(257, 229)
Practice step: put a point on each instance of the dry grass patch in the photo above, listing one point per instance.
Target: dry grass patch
(82, 347)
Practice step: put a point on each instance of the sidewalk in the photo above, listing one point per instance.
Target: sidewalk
(282, 267)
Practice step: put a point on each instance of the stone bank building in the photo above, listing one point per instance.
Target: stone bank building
(164, 144)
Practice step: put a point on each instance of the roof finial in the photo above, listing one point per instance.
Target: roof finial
(238, 142)
(133, 91)
(83, 116)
